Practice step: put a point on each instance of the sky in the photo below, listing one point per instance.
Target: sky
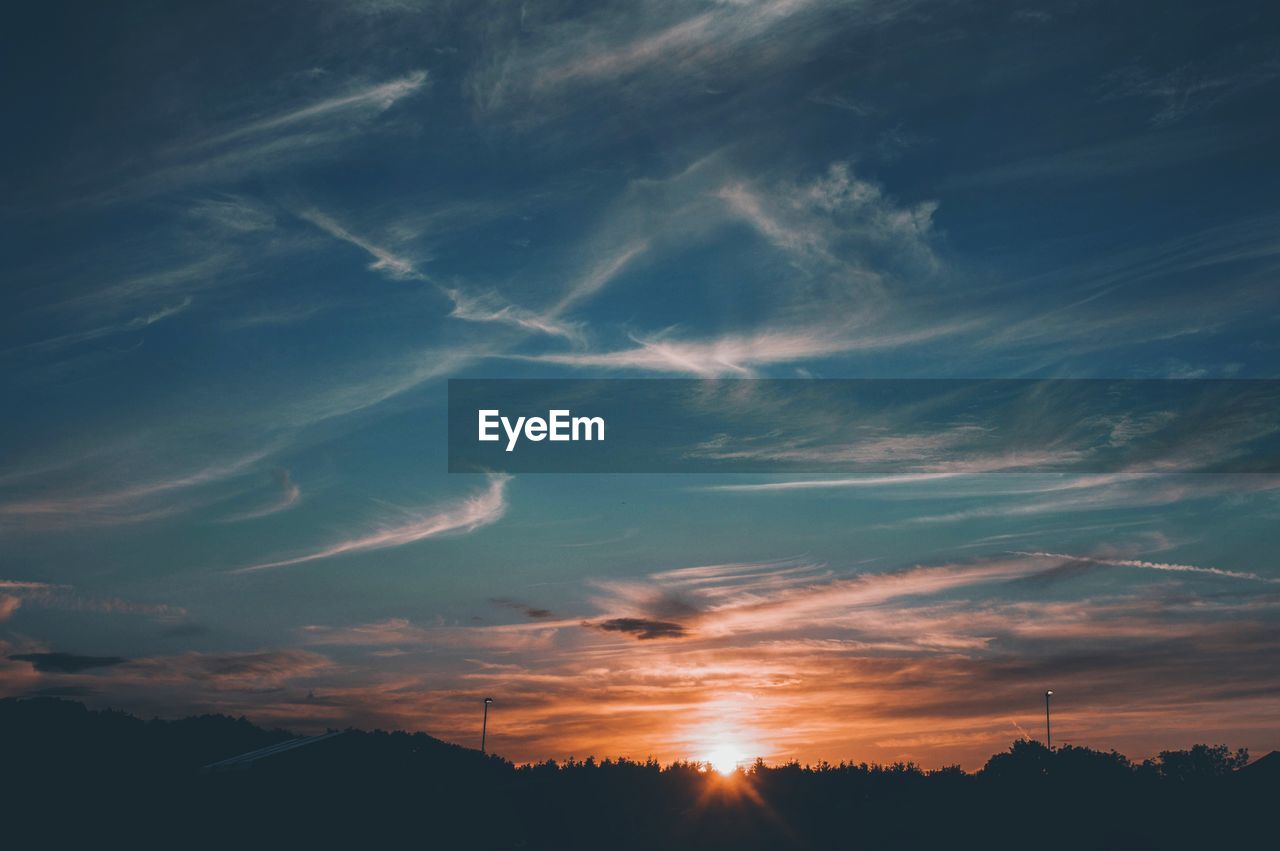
(246, 245)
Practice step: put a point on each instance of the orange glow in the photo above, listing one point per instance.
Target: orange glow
(726, 759)
(778, 662)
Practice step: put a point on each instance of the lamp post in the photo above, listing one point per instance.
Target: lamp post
(484, 727)
(1048, 730)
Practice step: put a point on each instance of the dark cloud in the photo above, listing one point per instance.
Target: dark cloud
(66, 663)
(63, 691)
(535, 612)
(643, 628)
(669, 604)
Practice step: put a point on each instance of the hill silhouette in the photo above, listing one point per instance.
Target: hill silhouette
(72, 774)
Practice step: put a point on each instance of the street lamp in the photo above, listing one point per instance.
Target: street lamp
(1048, 730)
(484, 728)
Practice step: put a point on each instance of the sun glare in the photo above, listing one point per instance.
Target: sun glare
(725, 759)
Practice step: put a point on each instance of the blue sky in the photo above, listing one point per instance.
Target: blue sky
(245, 247)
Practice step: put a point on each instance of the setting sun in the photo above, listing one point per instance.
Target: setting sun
(725, 759)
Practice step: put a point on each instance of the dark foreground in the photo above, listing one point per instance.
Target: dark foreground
(71, 775)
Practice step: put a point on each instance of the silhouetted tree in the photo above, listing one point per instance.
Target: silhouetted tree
(78, 775)
(1199, 764)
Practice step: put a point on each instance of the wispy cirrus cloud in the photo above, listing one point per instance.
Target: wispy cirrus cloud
(641, 49)
(1103, 159)
(66, 598)
(404, 634)
(835, 218)
(474, 512)
(372, 99)
(137, 323)
(721, 600)
(849, 247)
(266, 137)
(742, 354)
(289, 496)
(1109, 492)
(142, 500)
(599, 274)
(490, 307)
(693, 39)
(384, 260)
(1188, 89)
(830, 484)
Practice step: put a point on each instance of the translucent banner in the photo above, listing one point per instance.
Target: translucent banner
(871, 426)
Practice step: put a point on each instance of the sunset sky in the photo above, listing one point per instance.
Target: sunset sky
(247, 244)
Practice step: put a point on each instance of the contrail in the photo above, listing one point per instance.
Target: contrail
(1156, 565)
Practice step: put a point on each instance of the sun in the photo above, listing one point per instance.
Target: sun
(725, 759)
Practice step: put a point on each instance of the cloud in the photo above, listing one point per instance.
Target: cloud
(282, 315)
(931, 662)
(138, 323)
(173, 278)
(840, 102)
(534, 612)
(383, 259)
(489, 307)
(255, 670)
(66, 663)
(290, 495)
(404, 633)
(847, 244)
(771, 597)
(639, 49)
(1188, 89)
(642, 628)
(829, 215)
(826, 484)
(601, 273)
(66, 598)
(743, 353)
(233, 214)
(375, 98)
(347, 391)
(134, 503)
(274, 137)
(1109, 492)
(479, 510)
(8, 605)
(885, 441)
(944, 648)
(1102, 160)
(1155, 565)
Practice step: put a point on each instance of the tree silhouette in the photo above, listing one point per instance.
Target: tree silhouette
(75, 775)
(1199, 764)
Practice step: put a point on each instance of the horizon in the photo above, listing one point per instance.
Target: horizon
(248, 248)
(712, 764)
